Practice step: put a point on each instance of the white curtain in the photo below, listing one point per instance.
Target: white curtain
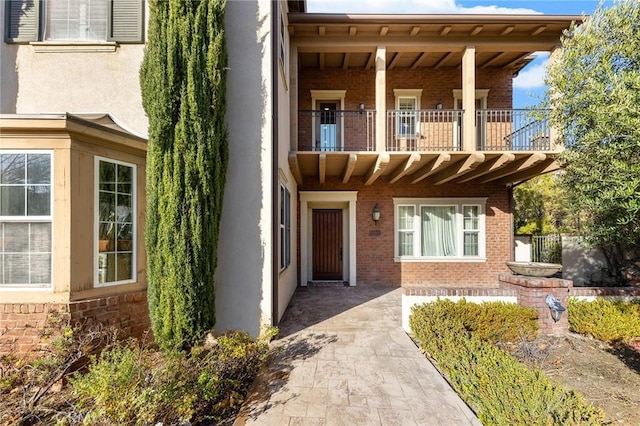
(438, 231)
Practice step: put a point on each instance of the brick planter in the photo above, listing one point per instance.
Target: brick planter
(532, 292)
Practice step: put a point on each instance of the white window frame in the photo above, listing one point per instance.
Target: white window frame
(48, 24)
(96, 220)
(459, 204)
(317, 96)
(285, 227)
(399, 230)
(33, 219)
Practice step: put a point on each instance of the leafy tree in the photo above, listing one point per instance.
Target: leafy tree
(183, 79)
(594, 86)
(539, 206)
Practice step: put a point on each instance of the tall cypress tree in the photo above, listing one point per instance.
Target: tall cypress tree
(183, 81)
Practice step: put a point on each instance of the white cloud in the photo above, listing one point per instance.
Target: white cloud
(533, 75)
(407, 6)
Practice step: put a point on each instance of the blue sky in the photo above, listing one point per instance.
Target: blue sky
(528, 87)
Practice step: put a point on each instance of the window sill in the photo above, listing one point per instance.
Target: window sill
(73, 46)
(440, 259)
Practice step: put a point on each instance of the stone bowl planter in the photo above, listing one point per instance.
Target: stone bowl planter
(534, 269)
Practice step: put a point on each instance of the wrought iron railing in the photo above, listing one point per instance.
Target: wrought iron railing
(424, 130)
(512, 130)
(336, 130)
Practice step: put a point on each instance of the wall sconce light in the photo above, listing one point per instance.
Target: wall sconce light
(375, 214)
(439, 105)
(556, 308)
(361, 107)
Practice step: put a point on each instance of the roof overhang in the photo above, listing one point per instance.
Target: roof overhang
(431, 41)
(424, 168)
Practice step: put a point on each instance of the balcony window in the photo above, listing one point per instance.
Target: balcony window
(115, 222)
(25, 219)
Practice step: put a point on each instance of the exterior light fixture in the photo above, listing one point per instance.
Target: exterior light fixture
(376, 214)
(439, 105)
(361, 107)
(556, 308)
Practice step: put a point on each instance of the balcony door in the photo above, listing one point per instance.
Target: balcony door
(328, 131)
(481, 118)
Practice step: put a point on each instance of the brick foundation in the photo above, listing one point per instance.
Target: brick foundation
(21, 324)
(532, 292)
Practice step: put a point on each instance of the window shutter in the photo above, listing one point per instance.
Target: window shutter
(126, 24)
(22, 21)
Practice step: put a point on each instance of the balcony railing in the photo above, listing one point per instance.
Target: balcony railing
(424, 130)
(334, 130)
(513, 130)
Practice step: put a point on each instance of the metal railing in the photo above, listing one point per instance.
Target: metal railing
(336, 130)
(546, 248)
(424, 130)
(513, 130)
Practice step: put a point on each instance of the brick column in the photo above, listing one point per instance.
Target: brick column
(532, 292)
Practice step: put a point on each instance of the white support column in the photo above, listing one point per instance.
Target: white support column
(381, 90)
(469, 99)
(293, 97)
(304, 243)
(352, 243)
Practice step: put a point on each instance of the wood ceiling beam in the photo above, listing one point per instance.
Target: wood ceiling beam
(506, 30)
(445, 30)
(463, 166)
(487, 167)
(516, 60)
(414, 31)
(492, 60)
(353, 31)
(394, 61)
(538, 30)
(372, 58)
(376, 170)
(476, 30)
(405, 168)
(295, 168)
(322, 30)
(322, 166)
(444, 59)
(384, 31)
(418, 61)
(432, 167)
(516, 166)
(548, 165)
(352, 160)
(345, 61)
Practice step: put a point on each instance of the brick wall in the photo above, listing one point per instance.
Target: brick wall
(21, 324)
(375, 242)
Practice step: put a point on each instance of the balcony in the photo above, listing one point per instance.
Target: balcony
(334, 130)
(424, 130)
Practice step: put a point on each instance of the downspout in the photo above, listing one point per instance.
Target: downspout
(275, 185)
(512, 237)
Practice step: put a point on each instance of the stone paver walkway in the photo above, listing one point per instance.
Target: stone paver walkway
(345, 360)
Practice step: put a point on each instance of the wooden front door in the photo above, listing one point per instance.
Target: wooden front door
(327, 244)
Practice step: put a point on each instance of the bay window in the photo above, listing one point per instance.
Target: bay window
(25, 219)
(115, 222)
(439, 228)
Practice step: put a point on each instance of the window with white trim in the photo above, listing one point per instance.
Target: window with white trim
(115, 222)
(25, 219)
(285, 227)
(119, 21)
(407, 104)
(439, 228)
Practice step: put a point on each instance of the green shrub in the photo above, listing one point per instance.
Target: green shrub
(132, 384)
(500, 389)
(605, 320)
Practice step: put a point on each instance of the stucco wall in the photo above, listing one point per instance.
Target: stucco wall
(70, 81)
(243, 277)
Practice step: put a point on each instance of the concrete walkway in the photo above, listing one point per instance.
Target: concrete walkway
(344, 360)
